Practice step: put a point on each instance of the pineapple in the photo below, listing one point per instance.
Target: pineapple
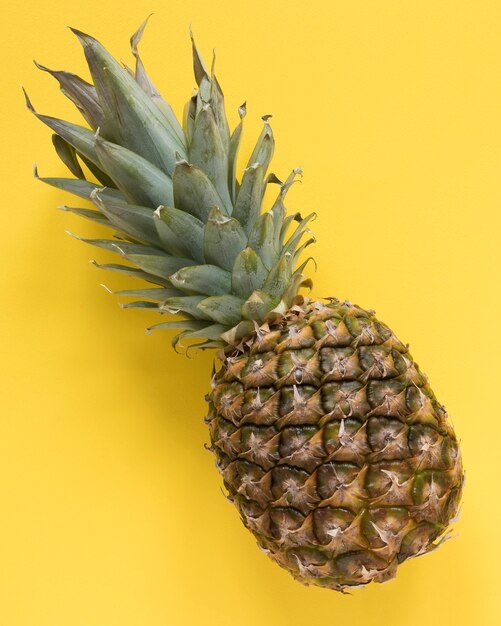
(330, 441)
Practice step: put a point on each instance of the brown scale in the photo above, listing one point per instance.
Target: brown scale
(333, 447)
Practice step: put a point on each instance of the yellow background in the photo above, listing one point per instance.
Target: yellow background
(111, 512)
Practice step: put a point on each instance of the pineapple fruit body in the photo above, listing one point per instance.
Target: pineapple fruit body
(333, 447)
(330, 441)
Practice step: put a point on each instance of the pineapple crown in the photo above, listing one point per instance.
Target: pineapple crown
(182, 219)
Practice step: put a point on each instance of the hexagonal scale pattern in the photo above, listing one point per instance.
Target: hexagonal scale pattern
(333, 447)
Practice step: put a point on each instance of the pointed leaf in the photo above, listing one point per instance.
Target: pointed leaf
(210, 92)
(233, 153)
(185, 304)
(166, 110)
(284, 226)
(301, 230)
(81, 93)
(118, 247)
(208, 279)
(244, 329)
(193, 191)
(223, 309)
(149, 88)
(278, 209)
(103, 178)
(250, 197)
(140, 181)
(81, 188)
(153, 293)
(207, 152)
(157, 265)
(88, 214)
(300, 250)
(300, 269)
(279, 277)
(140, 304)
(133, 272)
(297, 281)
(209, 331)
(258, 305)
(217, 105)
(189, 115)
(262, 241)
(199, 68)
(181, 233)
(136, 221)
(131, 117)
(79, 137)
(67, 153)
(224, 238)
(248, 273)
(185, 324)
(263, 152)
(140, 74)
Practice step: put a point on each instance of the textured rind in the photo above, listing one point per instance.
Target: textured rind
(333, 447)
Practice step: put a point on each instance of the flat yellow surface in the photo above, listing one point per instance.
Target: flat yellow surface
(111, 512)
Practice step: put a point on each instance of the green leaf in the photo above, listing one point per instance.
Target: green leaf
(241, 330)
(132, 119)
(81, 188)
(279, 277)
(224, 238)
(248, 273)
(284, 227)
(139, 304)
(118, 247)
(88, 214)
(149, 88)
(208, 279)
(223, 309)
(258, 305)
(189, 114)
(298, 252)
(278, 209)
(67, 153)
(139, 180)
(161, 265)
(185, 304)
(81, 93)
(263, 152)
(181, 233)
(207, 152)
(152, 293)
(199, 68)
(101, 176)
(217, 105)
(185, 324)
(301, 230)
(194, 193)
(79, 137)
(133, 272)
(212, 331)
(250, 197)
(300, 269)
(297, 281)
(262, 241)
(233, 153)
(136, 221)
(209, 331)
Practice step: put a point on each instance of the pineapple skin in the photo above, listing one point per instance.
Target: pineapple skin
(333, 447)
